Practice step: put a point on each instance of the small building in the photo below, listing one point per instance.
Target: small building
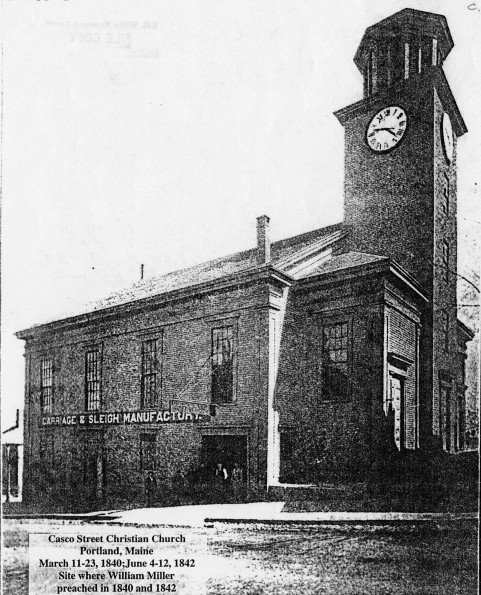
(294, 359)
(12, 461)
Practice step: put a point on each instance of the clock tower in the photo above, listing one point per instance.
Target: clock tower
(400, 184)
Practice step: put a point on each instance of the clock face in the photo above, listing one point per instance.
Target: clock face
(448, 138)
(386, 129)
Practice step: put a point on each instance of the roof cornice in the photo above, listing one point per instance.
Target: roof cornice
(386, 265)
(265, 272)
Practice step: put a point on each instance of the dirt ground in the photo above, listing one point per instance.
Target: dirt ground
(340, 560)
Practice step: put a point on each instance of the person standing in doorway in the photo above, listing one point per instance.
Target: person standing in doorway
(221, 474)
(150, 488)
(220, 480)
(237, 479)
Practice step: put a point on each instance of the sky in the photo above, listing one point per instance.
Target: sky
(155, 132)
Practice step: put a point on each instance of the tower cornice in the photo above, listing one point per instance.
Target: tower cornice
(404, 24)
(433, 79)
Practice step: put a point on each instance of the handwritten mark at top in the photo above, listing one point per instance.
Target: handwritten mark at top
(473, 6)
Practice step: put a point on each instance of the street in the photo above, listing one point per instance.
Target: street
(284, 559)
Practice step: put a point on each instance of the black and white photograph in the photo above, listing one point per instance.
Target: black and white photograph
(240, 297)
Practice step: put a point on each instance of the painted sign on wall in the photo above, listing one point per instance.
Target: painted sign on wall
(118, 418)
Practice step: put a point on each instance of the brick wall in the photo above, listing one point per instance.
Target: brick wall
(332, 439)
(329, 440)
(389, 197)
(184, 331)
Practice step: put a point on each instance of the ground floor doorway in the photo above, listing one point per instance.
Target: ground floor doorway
(225, 449)
(395, 405)
(93, 468)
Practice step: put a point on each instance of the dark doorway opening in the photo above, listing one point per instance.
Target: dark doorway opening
(225, 449)
(93, 470)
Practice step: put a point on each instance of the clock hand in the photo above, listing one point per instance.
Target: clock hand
(388, 129)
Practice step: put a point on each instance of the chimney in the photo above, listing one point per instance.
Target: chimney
(263, 242)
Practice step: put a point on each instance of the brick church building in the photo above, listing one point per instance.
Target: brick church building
(291, 356)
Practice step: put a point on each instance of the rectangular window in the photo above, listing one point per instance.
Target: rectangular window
(223, 364)
(10, 464)
(406, 60)
(147, 452)
(389, 66)
(370, 75)
(368, 78)
(374, 70)
(46, 449)
(445, 323)
(149, 373)
(46, 385)
(335, 362)
(435, 52)
(92, 380)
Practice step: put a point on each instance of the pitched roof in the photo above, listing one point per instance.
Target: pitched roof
(285, 256)
(346, 261)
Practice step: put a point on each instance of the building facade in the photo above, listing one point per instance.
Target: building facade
(296, 360)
